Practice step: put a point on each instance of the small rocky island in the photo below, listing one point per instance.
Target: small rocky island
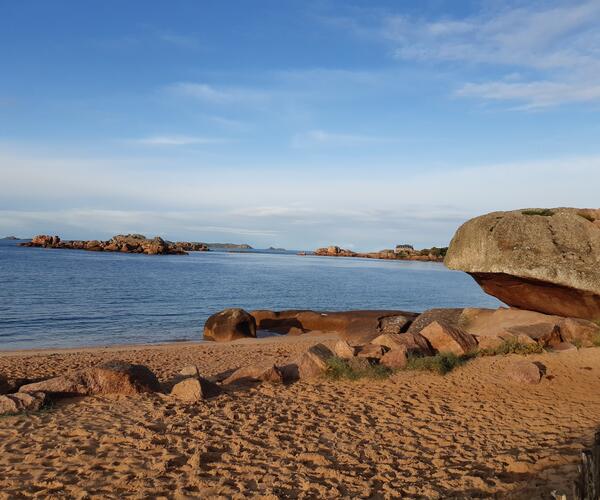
(401, 252)
(129, 243)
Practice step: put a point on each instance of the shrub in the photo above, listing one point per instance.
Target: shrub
(339, 369)
(442, 363)
(512, 346)
(540, 211)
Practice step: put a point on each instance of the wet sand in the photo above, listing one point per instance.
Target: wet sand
(471, 433)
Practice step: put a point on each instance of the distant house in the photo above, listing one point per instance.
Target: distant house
(404, 249)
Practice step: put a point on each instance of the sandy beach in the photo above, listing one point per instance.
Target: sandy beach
(471, 433)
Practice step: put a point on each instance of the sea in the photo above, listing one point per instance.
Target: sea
(54, 298)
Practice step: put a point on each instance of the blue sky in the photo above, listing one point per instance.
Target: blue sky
(294, 123)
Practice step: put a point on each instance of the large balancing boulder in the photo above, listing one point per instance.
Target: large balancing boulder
(230, 324)
(545, 260)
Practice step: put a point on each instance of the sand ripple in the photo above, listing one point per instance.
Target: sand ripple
(469, 434)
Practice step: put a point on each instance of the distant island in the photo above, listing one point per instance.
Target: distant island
(129, 243)
(401, 252)
(10, 238)
(229, 246)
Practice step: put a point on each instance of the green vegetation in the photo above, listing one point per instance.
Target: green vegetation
(512, 346)
(442, 363)
(542, 211)
(437, 252)
(339, 369)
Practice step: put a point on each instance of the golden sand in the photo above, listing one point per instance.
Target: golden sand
(471, 433)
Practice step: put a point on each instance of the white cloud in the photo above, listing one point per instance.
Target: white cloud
(177, 140)
(557, 44)
(325, 138)
(79, 198)
(218, 95)
(537, 94)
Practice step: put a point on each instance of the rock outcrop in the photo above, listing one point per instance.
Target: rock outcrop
(413, 343)
(230, 324)
(18, 402)
(112, 377)
(344, 350)
(5, 385)
(396, 358)
(313, 362)
(493, 326)
(372, 352)
(545, 260)
(444, 337)
(353, 326)
(125, 243)
(402, 252)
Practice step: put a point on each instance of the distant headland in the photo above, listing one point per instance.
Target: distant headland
(129, 243)
(401, 252)
(229, 246)
(10, 238)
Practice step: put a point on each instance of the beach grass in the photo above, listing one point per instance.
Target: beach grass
(441, 363)
(341, 369)
(512, 346)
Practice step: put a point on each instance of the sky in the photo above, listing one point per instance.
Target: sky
(294, 123)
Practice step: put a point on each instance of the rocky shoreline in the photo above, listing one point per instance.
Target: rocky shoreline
(244, 406)
(130, 243)
(401, 252)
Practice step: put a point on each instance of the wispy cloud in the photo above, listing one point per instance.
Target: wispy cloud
(556, 44)
(79, 197)
(325, 138)
(217, 95)
(177, 140)
(535, 94)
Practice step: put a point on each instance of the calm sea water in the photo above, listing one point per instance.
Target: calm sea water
(63, 298)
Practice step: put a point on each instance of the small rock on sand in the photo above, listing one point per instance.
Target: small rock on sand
(194, 389)
(112, 377)
(256, 373)
(314, 361)
(190, 371)
(524, 372)
(20, 402)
